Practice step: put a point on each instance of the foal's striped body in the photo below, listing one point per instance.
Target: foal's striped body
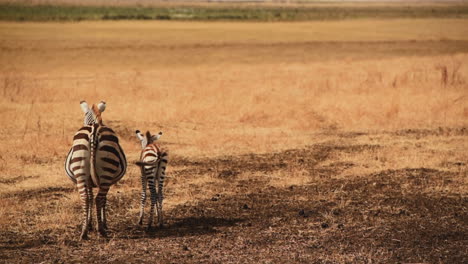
(96, 160)
(153, 164)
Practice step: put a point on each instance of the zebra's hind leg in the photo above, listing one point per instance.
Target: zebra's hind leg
(161, 175)
(85, 208)
(104, 214)
(90, 208)
(143, 197)
(153, 201)
(100, 209)
(160, 200)
(160, 212)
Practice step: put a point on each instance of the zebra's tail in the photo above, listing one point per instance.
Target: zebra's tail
(93, 144)
(161, 173)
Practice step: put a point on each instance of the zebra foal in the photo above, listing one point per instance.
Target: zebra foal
(95, 160)
(153, 164)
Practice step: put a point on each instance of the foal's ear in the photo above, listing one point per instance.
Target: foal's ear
(156, 137)
(84, 106)
(142, 139)
(139, 135)
(102, 106)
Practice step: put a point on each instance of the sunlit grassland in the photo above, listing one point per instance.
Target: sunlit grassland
(218, 88)
(376, 99)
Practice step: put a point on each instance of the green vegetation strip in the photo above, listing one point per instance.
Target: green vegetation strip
(14, 12)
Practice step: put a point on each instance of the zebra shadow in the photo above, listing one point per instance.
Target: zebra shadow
(180, 227)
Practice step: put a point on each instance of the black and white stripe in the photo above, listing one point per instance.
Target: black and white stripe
(95, 160)
(153, 164)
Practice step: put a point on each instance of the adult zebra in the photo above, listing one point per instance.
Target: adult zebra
(95, 160)
(153, 164)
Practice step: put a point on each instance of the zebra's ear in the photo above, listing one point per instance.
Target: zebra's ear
(156, 137)
(102, 106)
(139, 135)
(84, 106)
(142, 139)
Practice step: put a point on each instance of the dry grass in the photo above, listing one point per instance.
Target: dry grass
(326, 119)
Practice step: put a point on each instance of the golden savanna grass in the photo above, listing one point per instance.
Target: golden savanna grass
(366, 99)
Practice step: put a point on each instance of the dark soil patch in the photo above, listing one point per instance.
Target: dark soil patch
(40, 193)
(441, 131)
(230, 166)
(16, 179)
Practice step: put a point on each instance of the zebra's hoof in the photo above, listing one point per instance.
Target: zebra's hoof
(84, 237)
(103, 233)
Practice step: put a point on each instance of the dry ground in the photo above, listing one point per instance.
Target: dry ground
(290, 142)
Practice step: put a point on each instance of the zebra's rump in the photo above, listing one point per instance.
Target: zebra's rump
(149, 158)
(68, 166)
(78, 156)
(110, 161)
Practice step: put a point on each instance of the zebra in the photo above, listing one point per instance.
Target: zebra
(153, 164)
(95, 160)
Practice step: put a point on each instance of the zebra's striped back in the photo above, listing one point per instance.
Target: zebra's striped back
(150, 153)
